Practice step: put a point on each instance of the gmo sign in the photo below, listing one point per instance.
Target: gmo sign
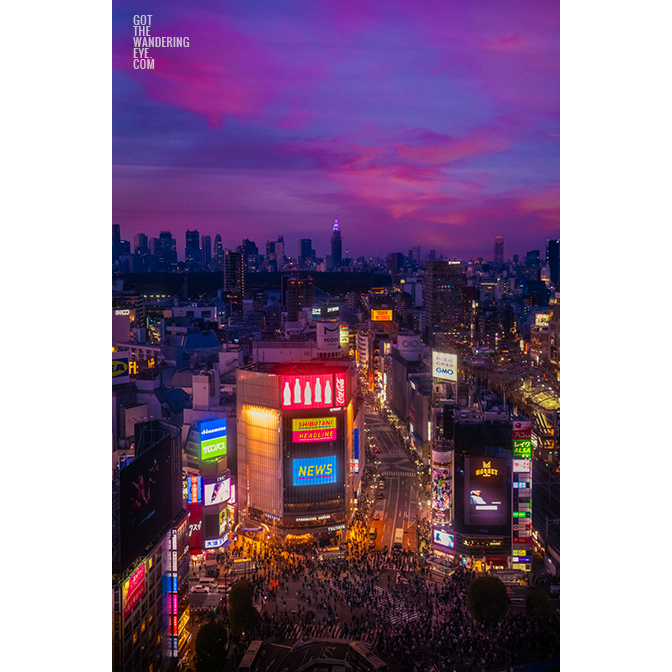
(444, 366)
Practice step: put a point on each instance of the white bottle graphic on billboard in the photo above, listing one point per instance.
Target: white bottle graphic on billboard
(286, 395)
(327, 393)
(297, 392)
(307, 395)
(318, 392)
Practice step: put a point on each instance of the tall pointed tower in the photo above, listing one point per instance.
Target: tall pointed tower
(336, 246)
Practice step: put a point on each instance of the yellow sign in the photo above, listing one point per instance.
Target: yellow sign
(487, 470)
(381, 315)
(119, 368)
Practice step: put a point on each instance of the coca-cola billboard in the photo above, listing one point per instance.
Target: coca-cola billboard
(323, 390)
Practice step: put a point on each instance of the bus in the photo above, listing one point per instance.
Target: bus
(252, 658)
(398, 539)
(364, 659)
(332, 553)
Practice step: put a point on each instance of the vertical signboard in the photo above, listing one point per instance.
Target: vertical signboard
(444, 366)
(521, 497)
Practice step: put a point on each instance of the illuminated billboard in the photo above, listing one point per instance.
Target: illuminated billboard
(195, 512)
(307, 430)
(522, 448)
(344, 335)
(444, 539)
(522, 466)
(120, 372)
(218, 492)
(322, 390)
(213, 438)
(486, 493)
(441, 492)
(194, 490)
(314, 470)
(133, 589)
(522, 430)
(381, 315)
(444, 366)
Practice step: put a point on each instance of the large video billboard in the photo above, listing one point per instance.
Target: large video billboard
(307, 430)
(321, 390)
(218, 491)
(150, 496)
(443, 538)
(314, 470)
(195, 512)
(444, 366)
(486, 492)
(441, 492)
(213, 438)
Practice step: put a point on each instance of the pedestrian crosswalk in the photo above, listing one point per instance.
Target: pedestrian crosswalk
(410, 472)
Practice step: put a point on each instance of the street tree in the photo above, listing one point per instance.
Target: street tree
(487, 601)
(211, 648)
(242, 614)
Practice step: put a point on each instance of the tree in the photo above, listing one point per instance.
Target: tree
(211, 648)
(537, 605)
(242, 614)
(487, 601)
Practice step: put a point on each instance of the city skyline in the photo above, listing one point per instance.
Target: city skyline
(436, 124)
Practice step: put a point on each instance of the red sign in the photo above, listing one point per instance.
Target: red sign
(133, 589)
(527, 541)
(339, 382)
(312, 391)
(522, 430)
(195, 523)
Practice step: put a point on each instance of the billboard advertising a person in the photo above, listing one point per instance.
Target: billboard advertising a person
(486, 491)
(444, 366)
(441, 492)
(314, 470)
(146, 498)
(443, 538)
(307, 430)
(213, 439)
(217, 491)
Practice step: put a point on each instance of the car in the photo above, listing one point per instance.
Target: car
(381, 483)
(380, 495)
(376, 450)
(198, 588)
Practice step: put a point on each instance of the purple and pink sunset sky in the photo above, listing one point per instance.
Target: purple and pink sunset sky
(431, 123)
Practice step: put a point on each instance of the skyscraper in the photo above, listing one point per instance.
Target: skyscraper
(297, 293)
(192, 248)
(206, 249)
(498, 255)
(218, 253)
(234, 274)
(305, 250)
(167, 252)
(336, 246)
(444, 306)
(553, 260)
(116, 242)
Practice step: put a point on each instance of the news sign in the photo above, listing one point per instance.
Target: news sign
(308, 430)
(444, 366)
(381, 315)
(322, 390)
(133, 589)
(218, 492)
(314, 470)
(213, 438)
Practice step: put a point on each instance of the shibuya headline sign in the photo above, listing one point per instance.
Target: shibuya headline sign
(444, 366)
(313, 391)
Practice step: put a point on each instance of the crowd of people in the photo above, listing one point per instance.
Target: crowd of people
(407, 615)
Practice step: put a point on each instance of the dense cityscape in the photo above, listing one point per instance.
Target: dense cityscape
(323, 462)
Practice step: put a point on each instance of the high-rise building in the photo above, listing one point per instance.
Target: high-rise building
(280, 251)
(192, 248)
(498, 253)
(140, 243)
(532, 259)
(234, 274)
(218, 253)
(167, 252)
(116, 242)
(206, 248)
(336, 246)
(444, 305)
(305, 250)
(553, 261)
(297, 294)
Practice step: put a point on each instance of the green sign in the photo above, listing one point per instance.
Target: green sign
(521, 514)
(522, 448)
